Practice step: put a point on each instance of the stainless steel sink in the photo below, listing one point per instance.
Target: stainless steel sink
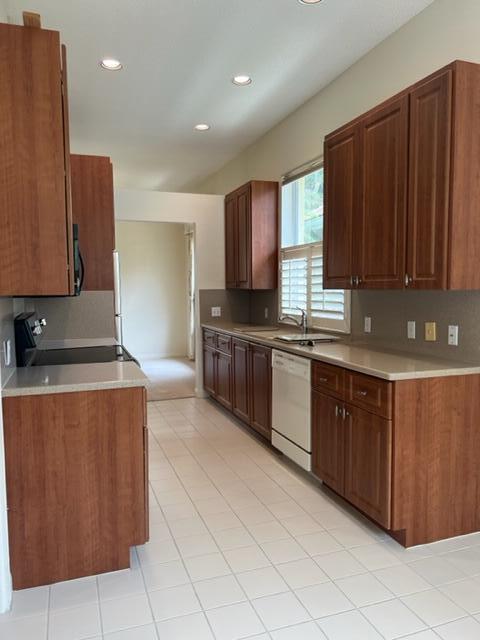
(297, 338)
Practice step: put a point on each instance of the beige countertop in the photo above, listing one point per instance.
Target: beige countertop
(378, 362)
(73, 377)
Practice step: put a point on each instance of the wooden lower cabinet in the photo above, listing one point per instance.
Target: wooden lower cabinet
(261, 389)
(209, 369)
(242, 381)
(328, 441)
(368, 463)
(75, 470)
(223, 379)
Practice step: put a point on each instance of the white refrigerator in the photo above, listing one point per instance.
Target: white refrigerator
(117, 298)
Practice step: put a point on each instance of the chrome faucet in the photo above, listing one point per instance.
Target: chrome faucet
(300, 323)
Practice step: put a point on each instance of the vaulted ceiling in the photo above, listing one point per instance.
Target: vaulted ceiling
(179, 57)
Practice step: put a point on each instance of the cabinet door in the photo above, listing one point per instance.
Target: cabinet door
(230, 242)
(92, 210)
(240, 380)
(75, 483)
(261, 389)
(368, 463)
(243, 239)
(223, 379)
(430, 137)
(34, 251)
(341, 204)
(209, 370)
(328, 450)
(379, 233)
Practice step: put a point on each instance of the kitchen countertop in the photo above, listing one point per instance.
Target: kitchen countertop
(356, 356)
(29, 381)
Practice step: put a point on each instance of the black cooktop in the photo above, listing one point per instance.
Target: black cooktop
(81, 355)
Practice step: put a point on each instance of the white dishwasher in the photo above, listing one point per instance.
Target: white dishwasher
(291, 401)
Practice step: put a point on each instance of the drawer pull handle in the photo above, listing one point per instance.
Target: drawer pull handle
(323, 379)
(363, 394)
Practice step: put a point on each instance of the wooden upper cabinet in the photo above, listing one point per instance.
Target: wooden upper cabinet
(251, 236)
(379, 230)
(93, 211)
(243, 244)
(430, 147)
(230, 242)
(341, 205)
(417, 224)
(35, 220)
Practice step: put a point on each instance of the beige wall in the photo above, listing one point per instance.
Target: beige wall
(445, 31)
(205, 214)
(154, 288)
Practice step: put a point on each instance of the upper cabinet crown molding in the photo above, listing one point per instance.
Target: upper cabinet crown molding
(401, 189)
(36, 257)
(251, 236)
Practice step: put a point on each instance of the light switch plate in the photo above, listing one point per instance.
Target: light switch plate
(367, 324)
(453, 335)
(411, 330)
(430, 331)
(216, 312)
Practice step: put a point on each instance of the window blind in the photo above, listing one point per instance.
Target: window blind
(302, 286)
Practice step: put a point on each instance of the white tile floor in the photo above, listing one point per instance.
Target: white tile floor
(244, 546)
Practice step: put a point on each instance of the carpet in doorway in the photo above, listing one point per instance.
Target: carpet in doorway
(169, 378)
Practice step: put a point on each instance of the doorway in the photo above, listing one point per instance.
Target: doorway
(157, 275)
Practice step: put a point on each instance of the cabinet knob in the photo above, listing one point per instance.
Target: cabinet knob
(408, 280)
(352, 281)
(359, 281)
(323, 379)
(362, 393)
(338, 411)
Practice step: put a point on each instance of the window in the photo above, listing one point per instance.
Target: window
(301, 257)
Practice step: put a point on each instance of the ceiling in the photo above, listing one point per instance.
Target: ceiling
(179, 57)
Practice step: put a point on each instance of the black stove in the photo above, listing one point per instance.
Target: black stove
(81, 355)
(28, 332)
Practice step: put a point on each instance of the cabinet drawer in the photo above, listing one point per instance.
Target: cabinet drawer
(328, 379)
(369, 393)
(224, 343)
(209, 338)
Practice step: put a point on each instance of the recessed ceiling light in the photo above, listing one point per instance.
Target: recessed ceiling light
(242, 80)
(111, 64)
(309, 1)
(202, 127)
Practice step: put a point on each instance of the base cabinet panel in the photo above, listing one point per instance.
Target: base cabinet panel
(368, 463)
(328, 433)
(240, 380)
(223, 379)
(209, 370)
(261, 390)
(75, 470)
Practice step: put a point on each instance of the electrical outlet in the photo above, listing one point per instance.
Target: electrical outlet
(367, 324)
(266, 313)
(430, 331)
(453, 335)
(216, 312)
(411, 331)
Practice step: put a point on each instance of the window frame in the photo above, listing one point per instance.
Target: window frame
(327, 324)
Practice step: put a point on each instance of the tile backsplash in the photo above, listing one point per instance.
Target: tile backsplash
(90, 315)
(239, 306)
(391, 310)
